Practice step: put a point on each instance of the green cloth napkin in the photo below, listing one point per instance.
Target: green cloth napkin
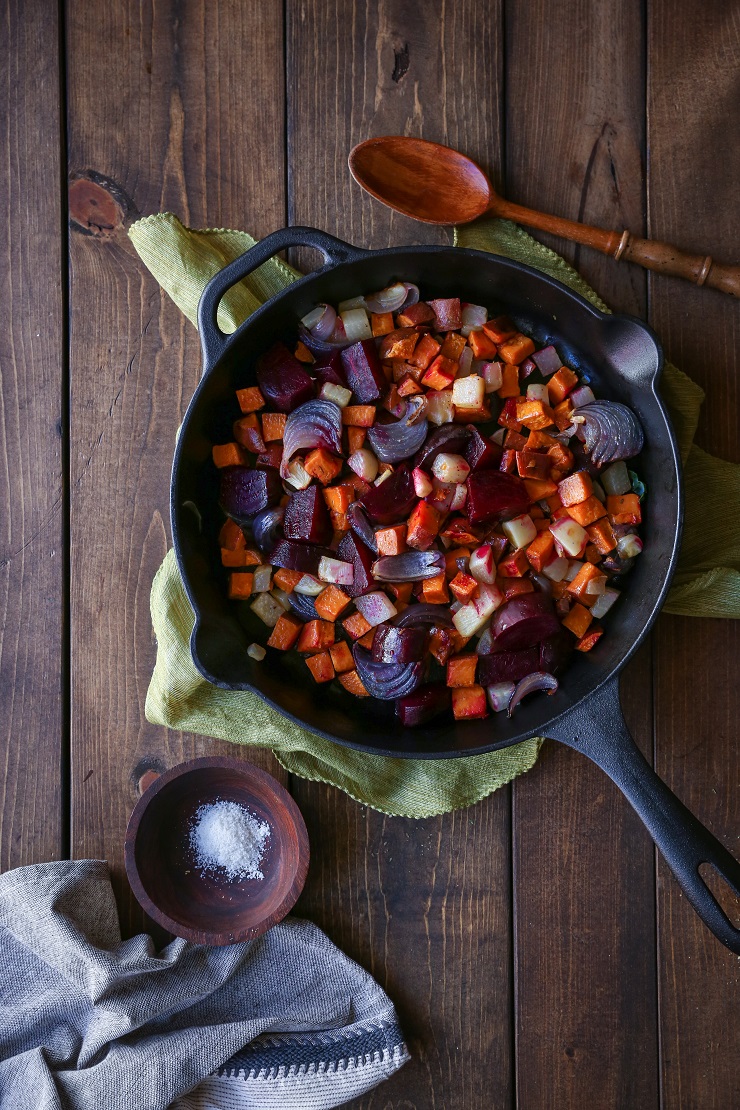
(707, 582)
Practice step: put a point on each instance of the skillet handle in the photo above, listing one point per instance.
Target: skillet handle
(213, 340)
(597, 729)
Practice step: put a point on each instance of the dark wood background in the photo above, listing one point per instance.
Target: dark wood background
(537, 954)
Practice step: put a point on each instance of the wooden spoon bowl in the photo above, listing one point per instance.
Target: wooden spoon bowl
(204, 906)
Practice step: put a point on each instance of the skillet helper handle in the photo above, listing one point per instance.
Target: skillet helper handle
(213, 340)
(598, 730)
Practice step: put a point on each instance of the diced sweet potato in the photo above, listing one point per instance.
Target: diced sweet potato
(588, 511)
(512, 587)
(231, 536)
(469, 703)
(587, 641)
(461, 669)
(425, 352)
(577, 588)
(602, 536)
(562, 414)
(401, 592)
(315, 636)
(453, 346)
(382, 323)
(240, 585)
(423, 525)
(510, 381)
(250, 399)
(578, 487)
(560, 385)
(273, 426)
(356, 626)
(287, 579)
(578, 620)
(339, 498)
(624, 509)
(534, 415)
(367, 640)
(592, 553)
(441, 373)
(464, 587)
(228, 454)
(482, 345)
(415, 314)
(321, 667)
(302, 353)
(500, 328)
(540, 551)
(355, 439)
(516, 349)
(399, 343)
(434, 590)
(541, 441)
(331, 602)
(321, 464)
(514, 565)
(286, 632)
(358, 416)
(341, 657)
(353, 684)
(408, 386)
(243, 558)
(539, 489)
(391, 540)
(532, 464)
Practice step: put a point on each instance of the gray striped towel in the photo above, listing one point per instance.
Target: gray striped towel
(91, 1022)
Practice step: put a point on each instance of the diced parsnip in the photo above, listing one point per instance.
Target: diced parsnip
(364, 463)
(262, 579)
(574, 569)
(616, 480)
(422, 483)
(557, 569)
(469, 392)
(470, 618)
(352, 302)
(440, 409)
(375, 608)
(297, 476)
(603, 604)
(356, 324)
(571, 537)
(281, 597)
(309, 586)
(482, 565)
(450, 469)
(499, 695)
(537, 392)
(267, 609)
(335, 571)
(336, 393)
(521, 530)
(493, 376)
(459, 498)
(257, 652)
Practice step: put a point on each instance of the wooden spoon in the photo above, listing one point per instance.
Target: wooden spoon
(438, 185)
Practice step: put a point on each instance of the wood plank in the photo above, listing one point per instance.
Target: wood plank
(193, 122)
(424, 905)
(583, 864)
(32, 431)
(694, 203)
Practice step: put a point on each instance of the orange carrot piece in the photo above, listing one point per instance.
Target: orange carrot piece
(341, 656)
(231, 536)
(509, 382)
(588, 511)
(540, 550)
(423, 526)
(516, 349)
(577, 620)
(287, 579)
(321, 666)
(315, 636)
(353, 684)
(434, 590)
(231, 558)
(321, 464)
(586, 642)
(302, 353)
(514, 565)
(356, 626)
(469, 703)
(331, 602)
(240, 585)
(560, 385)
(391, 540)
(355, 439)
(602, 536)
(624, 509)
(401, 591)
(286, 632)
(228, 454)
(273, 426)
(382, 323)
(339, 498)
(461, 669)
(250, 399)
(482, 345)
(464, 587)
(577, 588)
(578, 487)
(358, 416)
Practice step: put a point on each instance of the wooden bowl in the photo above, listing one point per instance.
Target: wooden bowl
(204, 906)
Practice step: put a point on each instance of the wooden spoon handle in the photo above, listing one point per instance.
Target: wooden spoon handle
(622, 245)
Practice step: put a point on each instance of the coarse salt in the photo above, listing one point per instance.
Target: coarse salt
(225, 835)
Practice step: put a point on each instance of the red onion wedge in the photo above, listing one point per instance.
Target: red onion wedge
(335, 342)
(315, 424)
(386, 680)
(424, 613)
(393, 442)
(267, 528)
(411, 566)
(360, 525)
(389, 299)
(450, 438)
(609, 431)
(320, 321)
(540, 680)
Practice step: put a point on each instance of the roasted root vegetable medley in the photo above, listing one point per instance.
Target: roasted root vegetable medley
(425, 506)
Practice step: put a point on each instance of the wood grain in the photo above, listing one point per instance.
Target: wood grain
(32, 427)
(193, 123)
(694, 200)
(583, 864)
(423, 905)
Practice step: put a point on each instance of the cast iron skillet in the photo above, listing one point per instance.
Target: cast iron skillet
(623, 360)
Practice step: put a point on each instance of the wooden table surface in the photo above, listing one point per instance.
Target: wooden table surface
(537, 952)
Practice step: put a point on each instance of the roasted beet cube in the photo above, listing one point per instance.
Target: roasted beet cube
(508, 666)
(284, 381)
(307, 517)
(363, 371)
(423, 705)
(328, 368)
(555, 652)
(271, 457)
(245, 492)
(493, 494)
(295, 555)
(447, 314)
(399, 645)
(393, 499)
(353, 550)
(523, 621)
(481, 453)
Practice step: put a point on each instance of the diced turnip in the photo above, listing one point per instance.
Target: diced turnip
(482, 565)
(604, 602)
(548, 361)
(422, 483)
(471, 618)
(440, 409)
(356, 324)
(449, 468)
(469, 392)
(267, 609)
(309, 586)
(493, 376)
(336, 393)
(376, 608)
(520, 530)
(282, 598)
(535, 392)
(499, 695)
(262, 579)
(571, 537)
(364, 463)
(557, 569)
(257, 652)
(333, 570)
(458, 499)
(473, 316)
(628, 546)
(297, 476)
(616, 480)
